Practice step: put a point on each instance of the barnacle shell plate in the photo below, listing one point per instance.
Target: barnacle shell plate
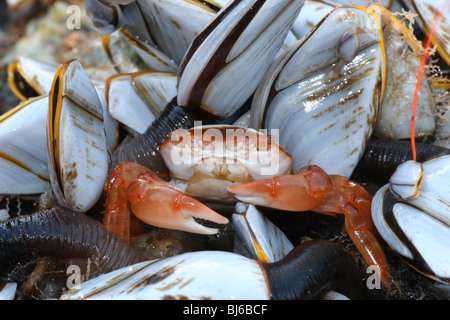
(173, 24)
(256, 237)
(8, 291)
(135, 99)
(78, 157)
(37, 74)
(407, 180)
(23, 155)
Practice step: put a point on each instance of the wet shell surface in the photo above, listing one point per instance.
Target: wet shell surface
(75, 121)
(136, 99)
(23, 152)
(37, 74)
(323, 95)
(407, 180)
(173, 24)
(8, 291)
(78, 157)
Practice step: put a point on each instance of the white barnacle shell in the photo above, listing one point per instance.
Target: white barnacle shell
(78, 157)
(324, 106)
(226, 275)
(418, 229)
(37, 74)
(135, 99)
(226, 62)
(162, 31)
(194, 275)
(256, 237)
(173, 24)
(8, 291)
(23, 152)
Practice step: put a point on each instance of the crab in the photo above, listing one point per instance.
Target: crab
(220, 168)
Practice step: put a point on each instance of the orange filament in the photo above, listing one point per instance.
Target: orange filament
(420, 74)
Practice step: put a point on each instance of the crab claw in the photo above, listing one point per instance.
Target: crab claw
(300, 192)
(158, 204)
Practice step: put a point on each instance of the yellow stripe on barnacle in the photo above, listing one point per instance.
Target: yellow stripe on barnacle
(440, 84)
(139, 89)
(105, 45)
(260, 253)
(409, 37)
(207, 5)
(20, 164)
(54, 114)
(138, 43)
(372, 11)
(142, 91)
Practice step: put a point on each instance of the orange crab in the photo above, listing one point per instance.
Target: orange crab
(224, 170)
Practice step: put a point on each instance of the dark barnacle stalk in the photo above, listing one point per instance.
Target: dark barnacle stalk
(314, 267)
(382, 157)
(59, 233)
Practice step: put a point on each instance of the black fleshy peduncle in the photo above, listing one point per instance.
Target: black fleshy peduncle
(312, 268)
(59, 233)
(382, 157)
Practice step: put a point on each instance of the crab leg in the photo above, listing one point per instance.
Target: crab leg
(367, 244)
(153, 201)
(312, 189)
(348, 194)
(118, 215)
(354, 202)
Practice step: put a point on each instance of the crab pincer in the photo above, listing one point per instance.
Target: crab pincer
(135, 189)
